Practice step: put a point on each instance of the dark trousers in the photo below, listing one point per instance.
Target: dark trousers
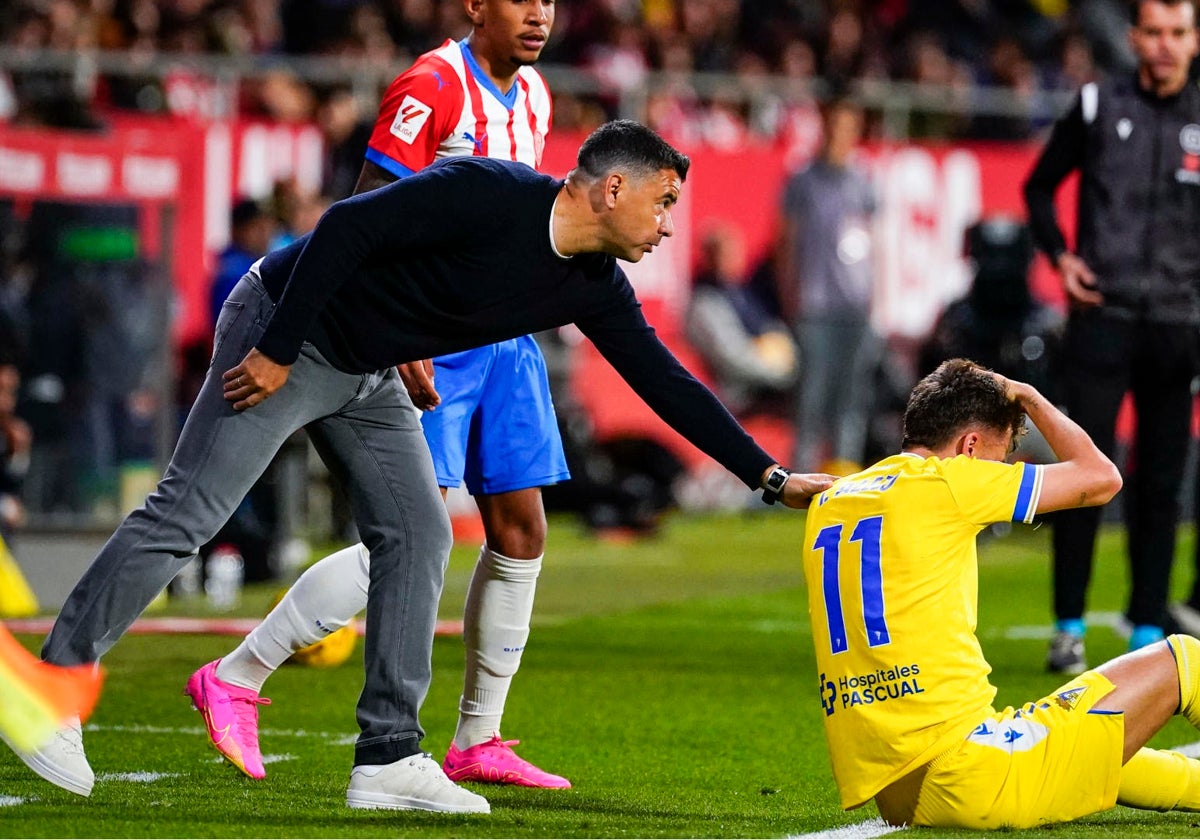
(1104, 357)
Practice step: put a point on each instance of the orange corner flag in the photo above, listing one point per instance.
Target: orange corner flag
(37, 698)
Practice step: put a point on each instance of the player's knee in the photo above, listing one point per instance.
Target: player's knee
(523, 539)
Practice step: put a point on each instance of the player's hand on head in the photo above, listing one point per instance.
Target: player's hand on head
(254, 379)
(1011, 391)
(801, 487)
(1019, 392)
(418, 380)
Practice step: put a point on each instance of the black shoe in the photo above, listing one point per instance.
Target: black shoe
(1066, 654)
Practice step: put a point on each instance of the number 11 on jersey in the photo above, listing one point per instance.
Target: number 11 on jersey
(868, 533)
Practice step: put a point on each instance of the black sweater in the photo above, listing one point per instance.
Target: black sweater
(1138, 156)
(459, 256)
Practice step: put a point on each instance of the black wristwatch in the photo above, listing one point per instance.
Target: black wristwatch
(773, 485)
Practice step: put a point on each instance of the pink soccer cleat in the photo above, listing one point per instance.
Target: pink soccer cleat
(494, 761)
(231, 717)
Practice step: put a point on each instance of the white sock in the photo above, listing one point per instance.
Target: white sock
(323, 599)
(495, 630)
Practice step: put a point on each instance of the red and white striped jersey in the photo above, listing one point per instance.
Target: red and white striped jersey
(444, 105)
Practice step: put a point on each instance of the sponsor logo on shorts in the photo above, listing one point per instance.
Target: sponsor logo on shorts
(1012, 736)
(410, 119)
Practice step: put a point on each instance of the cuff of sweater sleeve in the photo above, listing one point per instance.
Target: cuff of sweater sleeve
(280, 349)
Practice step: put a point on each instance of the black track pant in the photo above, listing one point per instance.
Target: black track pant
(1104, 357)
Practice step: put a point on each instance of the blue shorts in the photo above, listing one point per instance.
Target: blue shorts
(495, 427)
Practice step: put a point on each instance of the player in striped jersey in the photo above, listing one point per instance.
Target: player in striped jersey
(490, 420)
(890, 563)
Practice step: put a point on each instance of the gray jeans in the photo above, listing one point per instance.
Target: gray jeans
(369, 435)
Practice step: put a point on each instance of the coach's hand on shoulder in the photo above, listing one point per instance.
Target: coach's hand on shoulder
(418, 379)
(254, 379)
(801, 487)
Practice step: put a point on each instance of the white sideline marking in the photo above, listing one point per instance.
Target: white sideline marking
(207, 626)
(332, 737)
(275, 758)
(143, 777)
(1112, 620)
(868, 828)
(1190, 750)
(9, 801)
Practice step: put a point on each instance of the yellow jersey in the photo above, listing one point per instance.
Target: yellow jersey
(892, 574)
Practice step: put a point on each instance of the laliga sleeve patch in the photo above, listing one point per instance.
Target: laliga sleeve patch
(410, 119)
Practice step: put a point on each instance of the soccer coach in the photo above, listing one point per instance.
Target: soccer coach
(466, 252)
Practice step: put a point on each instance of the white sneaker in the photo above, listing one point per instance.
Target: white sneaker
(413, 783)
(62, 762)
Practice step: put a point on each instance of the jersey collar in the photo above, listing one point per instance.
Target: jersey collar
(509, 100)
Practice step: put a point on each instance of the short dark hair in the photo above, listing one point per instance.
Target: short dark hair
(245, 211)
(1135, 8)
(628, 145)
(960, 393)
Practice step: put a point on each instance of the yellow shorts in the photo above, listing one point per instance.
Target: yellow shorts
(1050, 761)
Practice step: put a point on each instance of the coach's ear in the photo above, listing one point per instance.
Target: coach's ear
(613, 185)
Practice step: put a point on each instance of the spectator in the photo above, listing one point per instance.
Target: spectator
(251, 230)
(827, 287)
(998, 323)
(124, 301)
(1077, 64)
(53, 373)
(930, 66)
(1132, 286)
(1010, 70)
(16, 442)
(619, 41)
(345, 131)
(750, 353)
(294, 211)
(799, 125)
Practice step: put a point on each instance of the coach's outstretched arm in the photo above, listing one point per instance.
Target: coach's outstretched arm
(1084, 476)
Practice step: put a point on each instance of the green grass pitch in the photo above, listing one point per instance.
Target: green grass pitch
(671, 679)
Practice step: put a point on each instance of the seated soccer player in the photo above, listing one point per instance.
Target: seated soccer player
(892, 574)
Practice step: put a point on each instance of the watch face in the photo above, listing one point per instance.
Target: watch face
(776, 480)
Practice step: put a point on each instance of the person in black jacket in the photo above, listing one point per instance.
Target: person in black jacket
(468, 251)
(1132, 286)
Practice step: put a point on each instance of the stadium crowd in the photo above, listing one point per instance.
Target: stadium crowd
(774, 56)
